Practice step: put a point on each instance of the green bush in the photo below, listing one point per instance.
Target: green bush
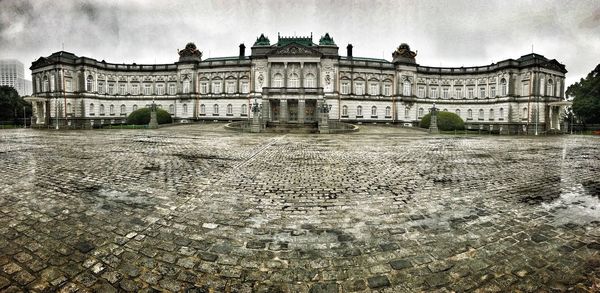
(446, 121)
(142, 117)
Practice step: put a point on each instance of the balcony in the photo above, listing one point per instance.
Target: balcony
(292, 90)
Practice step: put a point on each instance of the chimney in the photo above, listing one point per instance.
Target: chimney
(349, 50)
(242, 51)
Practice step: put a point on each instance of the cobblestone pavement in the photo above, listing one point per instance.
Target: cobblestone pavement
(199, 209)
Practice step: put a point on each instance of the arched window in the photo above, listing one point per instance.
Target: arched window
(309, 80)
(112, 110)
(525, 113)
(469, 114)
(123, 109)
(359, 111)
(46, 84)
(244, 109)
(277, 80)
(491, 114)
(373, 111)
(229, 109)
(101, 109)
(549, 91)
(92, 108)
(171, 109)
(445, 110)
(184, 108)
(344, 110)
(457, 112)
(388, 111)
(134, 107)
(69, 108)
(406, 88)
(481, 114)
(503, 87)
(186, 86)
(421, 111)
(202, 109)
(294, 81)
(501, 113)
(89, 83)
(216, 109)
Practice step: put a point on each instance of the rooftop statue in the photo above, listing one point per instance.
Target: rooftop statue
(190, 53)
(404, 54)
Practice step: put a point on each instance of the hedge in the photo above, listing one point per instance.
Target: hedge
(142, 117)
(446, 121)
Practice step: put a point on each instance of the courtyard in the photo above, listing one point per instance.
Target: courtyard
(196, 208)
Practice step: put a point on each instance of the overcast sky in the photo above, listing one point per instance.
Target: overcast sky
(446, 33)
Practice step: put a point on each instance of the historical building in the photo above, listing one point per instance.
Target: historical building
(292, 79)
(12, 74)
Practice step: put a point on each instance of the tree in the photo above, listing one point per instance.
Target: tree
(446, 121)
(586, 101)
(142, 117)
(11, 106)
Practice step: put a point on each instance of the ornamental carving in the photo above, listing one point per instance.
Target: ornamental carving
(404, 54)
(296, 51)
(190, 53)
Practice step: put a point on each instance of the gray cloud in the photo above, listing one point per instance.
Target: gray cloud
(447, 33)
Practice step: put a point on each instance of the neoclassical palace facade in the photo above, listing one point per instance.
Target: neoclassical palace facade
(291, 78)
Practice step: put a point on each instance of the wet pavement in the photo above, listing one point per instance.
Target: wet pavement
(196, 208)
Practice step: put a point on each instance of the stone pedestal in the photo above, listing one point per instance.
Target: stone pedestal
(433, 128)
(153, 122)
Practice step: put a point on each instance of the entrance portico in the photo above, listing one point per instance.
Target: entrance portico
(41, 110)
(556, 113)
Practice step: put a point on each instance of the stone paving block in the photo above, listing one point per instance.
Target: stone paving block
(133, 211)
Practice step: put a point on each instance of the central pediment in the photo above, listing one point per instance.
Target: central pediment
(294, 49)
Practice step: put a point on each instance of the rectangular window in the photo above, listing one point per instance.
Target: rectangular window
(160, 89)
(445, 93)
(100, 87)
(122, 90)
(204, 88)
(345, 88)
(172, 90)
(360, 88)
(230, 87)
(245, 87)
(68, 86)
(421, 92)
(525, 89)
(111, 88)
(470, 93)
(216, 88)
(493, 91)
(387, 89)
(135, 89)
(147, 89)
(373, 89)
(434, 93)
(482, 93)
(459, 93)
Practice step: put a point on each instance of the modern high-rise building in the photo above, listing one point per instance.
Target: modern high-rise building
(12, 74)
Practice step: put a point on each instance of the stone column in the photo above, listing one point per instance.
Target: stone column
(301, 103)
(285, 75)
(283, 111)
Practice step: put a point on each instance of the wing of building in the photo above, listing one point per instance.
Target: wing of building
(290, 78)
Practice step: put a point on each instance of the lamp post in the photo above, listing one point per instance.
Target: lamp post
(24, 118)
